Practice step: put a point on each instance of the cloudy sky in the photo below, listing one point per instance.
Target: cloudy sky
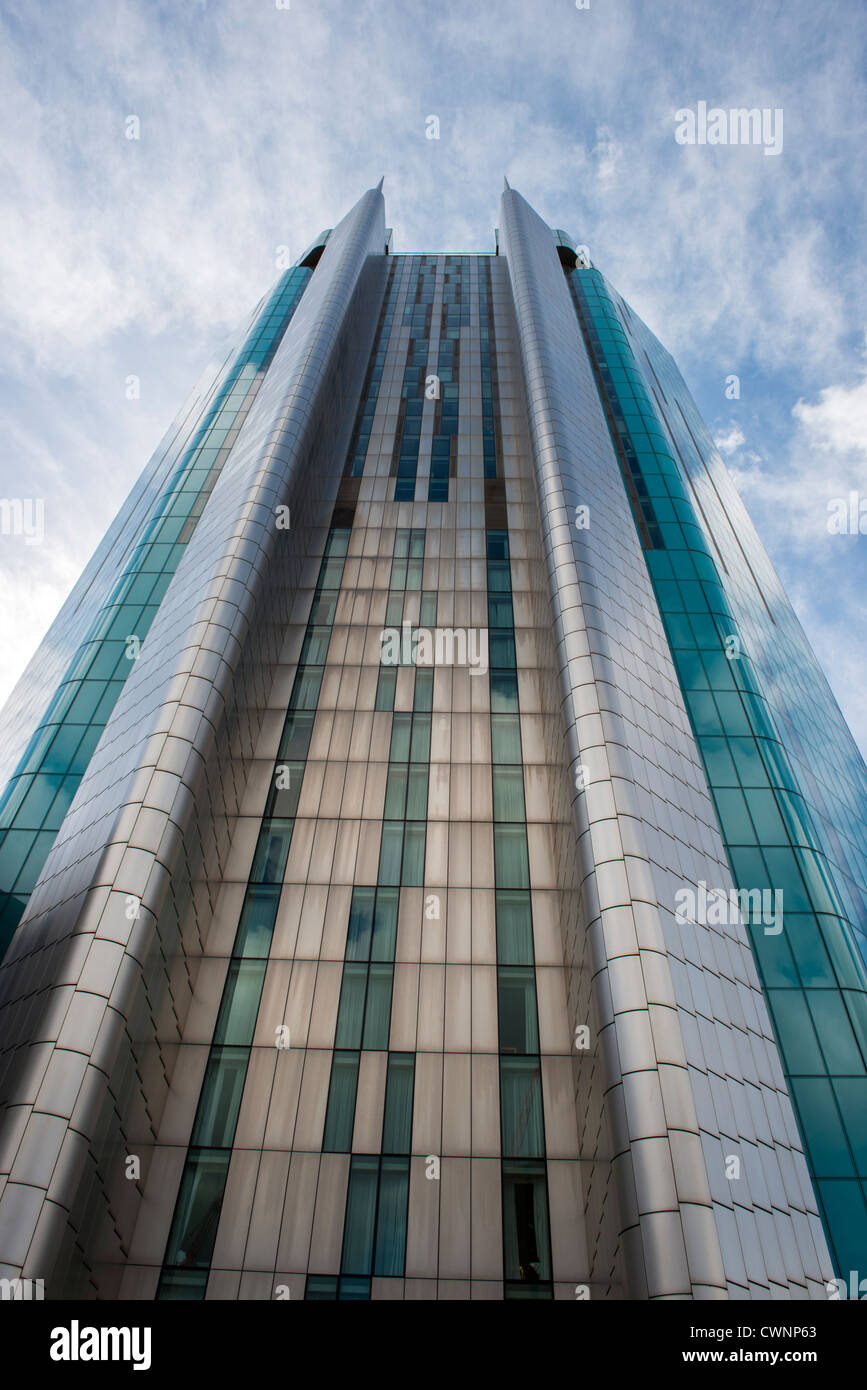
(261, 125)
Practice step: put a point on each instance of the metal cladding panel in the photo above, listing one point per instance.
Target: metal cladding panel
(98, 961)
(682, 1012)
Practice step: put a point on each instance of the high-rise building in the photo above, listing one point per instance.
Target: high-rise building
(433, 862)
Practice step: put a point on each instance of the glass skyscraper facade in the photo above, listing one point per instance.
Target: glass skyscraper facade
(432, 862)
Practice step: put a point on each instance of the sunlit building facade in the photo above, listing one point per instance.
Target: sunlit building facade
(432, 861)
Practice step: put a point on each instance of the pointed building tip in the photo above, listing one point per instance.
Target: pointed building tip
(506, 185)
(379, 185)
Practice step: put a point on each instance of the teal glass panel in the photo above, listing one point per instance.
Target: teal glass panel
(504, 692)
(377, 1014)
(297, 732)
(395, 792)
(321, 1288)
(272, 851)
(239, 1006)
(360, 1221)
(829, 1151)
(423, 693)
(182, 1285)
(415, 833)
(508, 793)
(397, 1121)
(391, 1218)
(256, 924)
(350, 1012)
(505, 738)
(385, 687)
(514, 928)
(416, 801)
(385, 924)
(391, 852)
(522, 1122)
(340, 1113)
(516, 1005)
(220, 1099)
(358, 935)
(194, 1228)
(511, 862)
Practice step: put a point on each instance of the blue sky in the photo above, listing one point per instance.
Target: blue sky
(260, 126)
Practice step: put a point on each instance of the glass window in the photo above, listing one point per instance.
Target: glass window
(395, 791)
(194, 1228)
(401, 728)
(305, 691)
(514, 929)
(321, 1288)
(519, 1027)
(420, 746)
(502, 647)
(296, 735)
(523, 1126)
(385, 688)
(285, 790)
(360, 924)
(511, 863)
(220, 1098)
(826, 1139)
(256, 924)
(508, 793)
(504, 692)
(505, 738)
(526, 1234)
(377, 1013)
(391, 851)
(385, 924)
(182, 1284)
(240, 1003)
(412, 875)
(423, 693)
(315, 646)
(340, 1115)
(350, 1013)
(397, 1122)
(391, 1217)
(394, 609)
(358, 1228)
(416, 801)
(272, 851)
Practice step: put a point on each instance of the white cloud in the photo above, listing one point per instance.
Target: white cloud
(730, 441)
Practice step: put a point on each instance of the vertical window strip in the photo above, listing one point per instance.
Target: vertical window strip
(417, 314)
(527, 1267)
(813, 980)
(357, 453)
(40, 791)
(455, 314)
(491, 439)
(374, 1241)
(193, 1232)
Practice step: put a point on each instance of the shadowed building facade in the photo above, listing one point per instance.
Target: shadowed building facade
(432, 860)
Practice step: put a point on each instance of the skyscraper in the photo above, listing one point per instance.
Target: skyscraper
(435, 859)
